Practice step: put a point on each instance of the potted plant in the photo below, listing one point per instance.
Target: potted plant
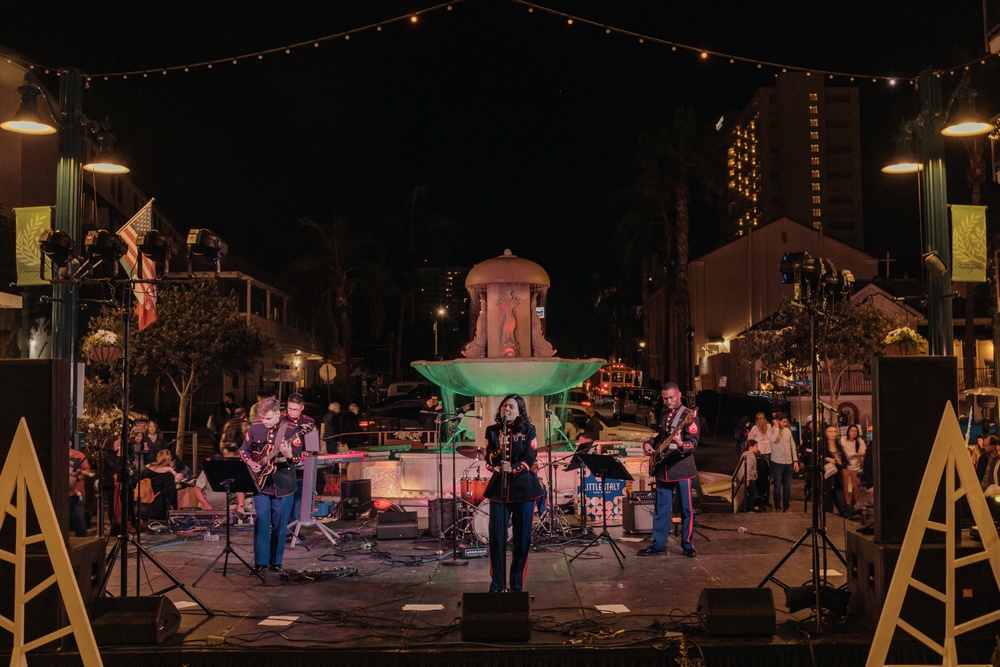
(904, 341)
(102, 347)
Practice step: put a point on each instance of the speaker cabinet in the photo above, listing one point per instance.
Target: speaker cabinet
(39, 391)
(909, 395)
(435, 509)
(496, 617)
(45, 612)
(397, 525)
(360, 489)
(870, 569)
(134, 620)
(737, 611)
(637, 515)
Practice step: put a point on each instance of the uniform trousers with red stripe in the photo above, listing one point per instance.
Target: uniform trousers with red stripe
(519, 517)
(662, 514)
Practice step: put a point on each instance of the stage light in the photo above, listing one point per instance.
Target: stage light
(58, 246)
(158, 247)
(27, 119)
(205, 244)
(102, 247)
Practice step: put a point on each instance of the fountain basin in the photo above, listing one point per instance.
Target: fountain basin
(501, 376)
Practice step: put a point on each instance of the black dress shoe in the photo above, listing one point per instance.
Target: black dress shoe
(278, 569)
(690, 553)
(650, 551)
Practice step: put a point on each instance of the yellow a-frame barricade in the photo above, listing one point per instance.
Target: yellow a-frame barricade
(20, 480)
(949, 457)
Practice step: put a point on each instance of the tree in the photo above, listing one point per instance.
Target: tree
(847, 337)
(198, 332)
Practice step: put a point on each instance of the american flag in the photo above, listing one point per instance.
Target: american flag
(145, 293)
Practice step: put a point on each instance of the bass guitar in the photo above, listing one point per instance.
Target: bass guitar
(266, 455)
(661, 444)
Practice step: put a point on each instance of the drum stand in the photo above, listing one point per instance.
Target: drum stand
(604, 467)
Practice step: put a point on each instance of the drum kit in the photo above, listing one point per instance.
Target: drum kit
(472, 519)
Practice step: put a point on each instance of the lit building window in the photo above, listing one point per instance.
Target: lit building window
(814, 135)
(814, 122)
(813, 109)
(814, 161)
(815, 173)
(816, 199)
(814, 148)
(817, 212)
(813, 97)
(815, 187)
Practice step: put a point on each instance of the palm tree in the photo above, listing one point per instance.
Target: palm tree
(670, 161)
(341, 268)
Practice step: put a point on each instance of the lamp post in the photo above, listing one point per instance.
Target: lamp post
(438, 314)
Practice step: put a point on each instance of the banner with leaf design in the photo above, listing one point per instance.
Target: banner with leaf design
(968, 243)
(30, 222)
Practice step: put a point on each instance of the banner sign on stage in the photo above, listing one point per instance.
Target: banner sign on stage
(614, 492)
(968, 243)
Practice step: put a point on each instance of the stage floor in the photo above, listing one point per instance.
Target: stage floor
(362, 619)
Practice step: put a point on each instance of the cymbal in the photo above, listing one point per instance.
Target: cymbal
(471, 451)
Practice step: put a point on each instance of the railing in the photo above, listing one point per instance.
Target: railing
(984, 378)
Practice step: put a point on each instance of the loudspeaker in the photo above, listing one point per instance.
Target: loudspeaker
(360, 489)
(134, 620)
(870, 569)
(737, 611)
(496, 617)
(637, 515)
(909, 395)
(436, 526)
(45, 612)
(39, 391)
(397, 525)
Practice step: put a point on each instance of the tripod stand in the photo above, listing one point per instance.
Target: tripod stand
(819, 541)
(577, 463)
(125, 538)
(225, 476)
(604, 467)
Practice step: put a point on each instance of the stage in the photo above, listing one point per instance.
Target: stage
(359, 618)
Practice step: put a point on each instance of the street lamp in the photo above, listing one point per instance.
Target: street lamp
(72, 126)
(929, 127)
(438, 314)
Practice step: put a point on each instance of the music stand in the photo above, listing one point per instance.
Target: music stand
(229, 475)
(604, 466)
(576, 463)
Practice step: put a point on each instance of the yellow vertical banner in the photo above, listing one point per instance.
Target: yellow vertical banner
(968, 243)
(31, 221)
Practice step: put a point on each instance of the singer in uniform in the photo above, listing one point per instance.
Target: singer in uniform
(273, 505)
(511, 449)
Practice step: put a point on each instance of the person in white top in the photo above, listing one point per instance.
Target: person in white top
(854, 448)
(763, 432)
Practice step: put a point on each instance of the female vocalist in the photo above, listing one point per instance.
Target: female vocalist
(511, 448)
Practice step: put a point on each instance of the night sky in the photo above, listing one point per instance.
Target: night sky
(521, 127)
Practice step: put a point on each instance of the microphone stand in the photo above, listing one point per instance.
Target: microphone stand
(454, 508)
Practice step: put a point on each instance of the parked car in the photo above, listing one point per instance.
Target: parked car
(574, 417)
(628, 400)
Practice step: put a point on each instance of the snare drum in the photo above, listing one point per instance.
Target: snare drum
(473, 490)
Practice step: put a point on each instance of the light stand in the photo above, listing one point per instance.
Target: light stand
(819, 541)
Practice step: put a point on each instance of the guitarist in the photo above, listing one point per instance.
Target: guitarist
(273, 505)
(674, 473)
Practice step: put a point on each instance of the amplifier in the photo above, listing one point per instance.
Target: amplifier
(644, 495)
(637, 515)
(397, 525)
(192, 518)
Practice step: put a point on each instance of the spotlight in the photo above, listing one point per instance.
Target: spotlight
(158, 247)
(103, 247)
(791, 265)
(60, 248)
(27, 120)
(206, 244)
(934, 263)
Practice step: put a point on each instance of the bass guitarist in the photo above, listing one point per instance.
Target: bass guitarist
(265, 445)
(674, 469)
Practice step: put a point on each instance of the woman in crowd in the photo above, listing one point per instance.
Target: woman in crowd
(163, 479)
(854, 448)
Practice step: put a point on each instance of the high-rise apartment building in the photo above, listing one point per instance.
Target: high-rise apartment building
(795, 152)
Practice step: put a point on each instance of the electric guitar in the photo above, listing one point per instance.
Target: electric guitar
(661, 444)
(266, 455)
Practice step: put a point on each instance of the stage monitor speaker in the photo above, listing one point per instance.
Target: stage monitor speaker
(737, 611)
(397, 525)
(449, 507)
(360, 489)
(134, 620)
(496, 617)
(909, 395)
(39, 391)
(637, 515)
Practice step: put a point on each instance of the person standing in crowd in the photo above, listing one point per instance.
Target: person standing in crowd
(294, 417)
(429, 414)
(273, 505)
(854, 448)
(784, 463)
(511, 450)
(350, 427)
(331, 428)
(763, 433)
(255, 408)
(991, 455)
(673, 474)
(152, 441)
(79, 473)
(748, 471)
(593, 424)
(834, 463)
(138, 445)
